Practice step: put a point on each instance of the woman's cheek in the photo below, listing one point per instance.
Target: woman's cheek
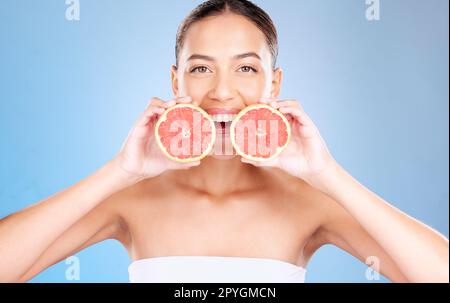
(252, 90)
(195, 88)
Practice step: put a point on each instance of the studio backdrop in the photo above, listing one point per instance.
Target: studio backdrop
(74, 75)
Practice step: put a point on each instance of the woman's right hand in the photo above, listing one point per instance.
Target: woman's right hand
(140, 157)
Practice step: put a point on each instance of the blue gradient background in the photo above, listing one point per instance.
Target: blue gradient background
(378, 91)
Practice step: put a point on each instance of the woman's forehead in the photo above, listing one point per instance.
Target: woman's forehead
(224, 36)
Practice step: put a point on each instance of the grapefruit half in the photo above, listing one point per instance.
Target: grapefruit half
(260, 132)
(185, 133)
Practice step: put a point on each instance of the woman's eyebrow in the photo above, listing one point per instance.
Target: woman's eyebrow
(236, 57)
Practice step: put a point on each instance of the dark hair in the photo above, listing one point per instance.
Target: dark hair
(240, 7)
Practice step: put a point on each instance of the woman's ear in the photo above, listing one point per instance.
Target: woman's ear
(276, 83)
(174, 77)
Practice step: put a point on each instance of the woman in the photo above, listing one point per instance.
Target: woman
(224, 218)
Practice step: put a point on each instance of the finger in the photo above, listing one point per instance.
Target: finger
(307, 128)
(168, 104)
(184, 100)
(297, 113)
(267, 100)
(156, 101)
(290, 118)
(196, 103)
(143, 129)
(291, 103)
(286, 103)
(188, 99)
(159, 102)
(149, 113)
(158, 106)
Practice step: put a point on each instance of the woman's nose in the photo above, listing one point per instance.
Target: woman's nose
(223, 89)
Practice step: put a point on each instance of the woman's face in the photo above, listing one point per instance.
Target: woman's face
(224, 66)
(210, 72)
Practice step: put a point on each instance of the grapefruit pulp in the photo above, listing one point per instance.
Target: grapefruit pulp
(185, 133)
(260, 132)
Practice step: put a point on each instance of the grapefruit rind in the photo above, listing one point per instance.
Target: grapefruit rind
(187, 160)
(244, 112)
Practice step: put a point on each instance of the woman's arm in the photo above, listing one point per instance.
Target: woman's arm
(403, 243)
(25, 235)
(421, 253)
(341, 229)
(102, 223)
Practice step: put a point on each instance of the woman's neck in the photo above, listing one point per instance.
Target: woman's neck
(219, 177)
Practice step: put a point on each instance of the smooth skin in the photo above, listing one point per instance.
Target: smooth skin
(284, 209)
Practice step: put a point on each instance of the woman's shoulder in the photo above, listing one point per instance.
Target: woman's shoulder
(143, 189)
(299, 189)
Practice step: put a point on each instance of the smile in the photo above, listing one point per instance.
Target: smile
(222, 118)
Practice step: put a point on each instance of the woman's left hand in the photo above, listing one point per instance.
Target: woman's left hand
(307, 155)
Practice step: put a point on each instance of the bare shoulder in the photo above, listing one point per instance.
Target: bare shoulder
(132, 201)
(303, 196)
(311, 208)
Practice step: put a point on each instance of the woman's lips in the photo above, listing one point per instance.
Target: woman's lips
(222, 111)
(223, 118)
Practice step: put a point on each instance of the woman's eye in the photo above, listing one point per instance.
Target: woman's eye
(200, 69)
(248, 69)
(204, 69)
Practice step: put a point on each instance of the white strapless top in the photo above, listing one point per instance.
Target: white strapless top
(208, 269)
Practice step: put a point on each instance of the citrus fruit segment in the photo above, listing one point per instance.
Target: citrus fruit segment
(185, 133)
(260, 132)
